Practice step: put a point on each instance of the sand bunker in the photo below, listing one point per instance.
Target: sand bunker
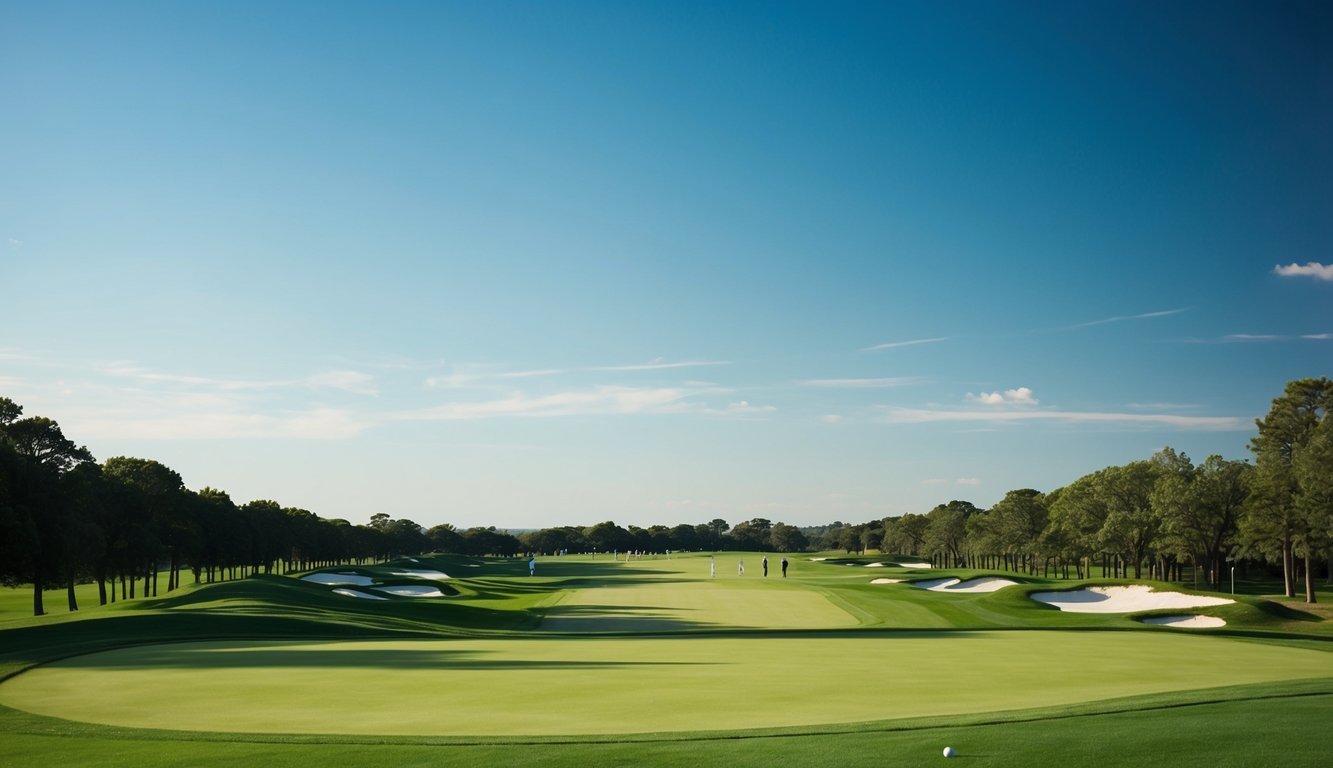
(415, 574)
(1138, 597)
(887, 581)
(984, 584)
(912, 565)
(817, 559)
(874, 565)
(354, 593)
(1194, 621)
(332, 579)
(411, 591)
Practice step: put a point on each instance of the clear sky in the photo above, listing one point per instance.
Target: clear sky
(535, 264)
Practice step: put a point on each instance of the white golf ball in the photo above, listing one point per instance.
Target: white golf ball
(948, 752)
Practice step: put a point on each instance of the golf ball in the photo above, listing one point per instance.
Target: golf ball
(948, 752)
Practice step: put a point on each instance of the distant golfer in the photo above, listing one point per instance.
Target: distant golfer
(784, 567)
(765, 566)
(532, 567)
(712, 567)
(740, 567)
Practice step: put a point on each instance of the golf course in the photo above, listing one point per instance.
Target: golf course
(653, 661)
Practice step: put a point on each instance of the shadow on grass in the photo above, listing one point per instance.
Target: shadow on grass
(310, 655)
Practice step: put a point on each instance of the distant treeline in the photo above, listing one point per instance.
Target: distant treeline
(64, 518)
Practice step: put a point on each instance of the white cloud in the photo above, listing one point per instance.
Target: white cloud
(896, 344)
(13, 243)
(1197, 423)
(659, 364)
(968, 481)
(1019, 396)
(348, 381)
(745, 406)
(599, 400)
(179, 421)
(897, 381)
(1144, 316)
(1253, 337)
(831, 418)
(1318, 336)
(1309, 269)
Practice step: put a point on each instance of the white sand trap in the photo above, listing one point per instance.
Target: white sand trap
(472, 565)
(817, 559)
(411, 591)
(887, 581)
(913, 565)
(413, 560)
(1194, 621)
(415, 574)
(984, 584)
(332, 579)
(1137, 597)
(874, 565)
(354, 593)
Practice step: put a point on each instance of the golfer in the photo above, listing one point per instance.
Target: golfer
(784, 567)
(740, 567)
(712, 567)
(532, 567)
(765, 566)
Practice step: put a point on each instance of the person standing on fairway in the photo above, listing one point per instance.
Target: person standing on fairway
(765, 566)
(532, 566)
(712, 567)
(784, 567)
(740, 567)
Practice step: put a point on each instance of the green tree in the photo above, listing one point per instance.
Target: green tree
(39, 509)
(788, 538)
(1277, 520)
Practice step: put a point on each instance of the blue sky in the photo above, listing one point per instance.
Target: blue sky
(532, 264)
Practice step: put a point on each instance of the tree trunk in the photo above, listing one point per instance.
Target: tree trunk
(1288, 584)
(101, 590)
(37, 608)
(1309, 577)
(69, 593)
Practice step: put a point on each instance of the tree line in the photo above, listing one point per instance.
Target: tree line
(66, 518)
(1151, 517)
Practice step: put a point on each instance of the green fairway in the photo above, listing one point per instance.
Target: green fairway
(652, 662)
(659, 607)
(553, 686)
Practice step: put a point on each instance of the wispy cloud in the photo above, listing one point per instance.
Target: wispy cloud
(15, 243)
(912, 342)
(1121, 318)
(482, 376)
(831, 418)
(347, 381)
(1309, 269)
(659, 364)
(968, 481)
(882, 383)
(1255, 338)
(189, 424)
(596, 401)
(1194, 423)
(745, 407)
(1019, 396)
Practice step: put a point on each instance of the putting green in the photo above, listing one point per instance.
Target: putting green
(591, 685)
(723, 604)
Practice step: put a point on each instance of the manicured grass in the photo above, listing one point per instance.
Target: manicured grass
(822, 668)
(601, 685)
